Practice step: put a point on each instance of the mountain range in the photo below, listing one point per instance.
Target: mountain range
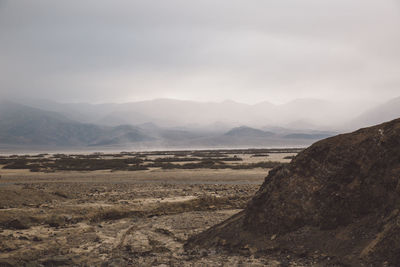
(299, 113)
(168, 123)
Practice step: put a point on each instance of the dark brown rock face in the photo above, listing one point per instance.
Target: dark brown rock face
(341, 197)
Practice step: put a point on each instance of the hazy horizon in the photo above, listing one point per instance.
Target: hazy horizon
(364, 103)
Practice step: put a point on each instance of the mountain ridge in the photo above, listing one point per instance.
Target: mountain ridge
(171, 112)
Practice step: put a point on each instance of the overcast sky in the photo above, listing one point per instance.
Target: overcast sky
(248, 51)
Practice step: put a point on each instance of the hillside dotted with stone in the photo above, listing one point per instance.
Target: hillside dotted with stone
(339, 200)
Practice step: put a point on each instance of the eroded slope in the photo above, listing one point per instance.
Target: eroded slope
(339, 198)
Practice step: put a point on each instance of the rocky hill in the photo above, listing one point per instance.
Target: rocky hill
(337, 202)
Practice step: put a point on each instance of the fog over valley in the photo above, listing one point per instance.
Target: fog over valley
(179, 124)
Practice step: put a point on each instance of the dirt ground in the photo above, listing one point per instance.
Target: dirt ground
(123, 218)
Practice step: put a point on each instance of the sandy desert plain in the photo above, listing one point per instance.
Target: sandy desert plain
(128, 209)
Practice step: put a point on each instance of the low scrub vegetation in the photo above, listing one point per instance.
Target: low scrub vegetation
(135, 161)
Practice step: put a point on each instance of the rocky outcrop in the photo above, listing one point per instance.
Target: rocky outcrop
(339, 198)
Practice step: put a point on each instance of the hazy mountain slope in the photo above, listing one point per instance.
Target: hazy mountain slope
(170, 112)
(21, 124)
(300, 113)
(244, 131)
(80, 112)
(384, 112)
(122, 134)
(240, 137)
(314, 136)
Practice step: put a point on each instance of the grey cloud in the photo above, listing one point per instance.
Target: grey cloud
(208, 50)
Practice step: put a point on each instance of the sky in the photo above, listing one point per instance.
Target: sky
(243, 50)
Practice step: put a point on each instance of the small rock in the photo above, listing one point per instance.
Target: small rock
(36, 239)
(17, 224)
(57, 261)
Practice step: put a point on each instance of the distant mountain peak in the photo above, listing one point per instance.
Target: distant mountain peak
(245, 131)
